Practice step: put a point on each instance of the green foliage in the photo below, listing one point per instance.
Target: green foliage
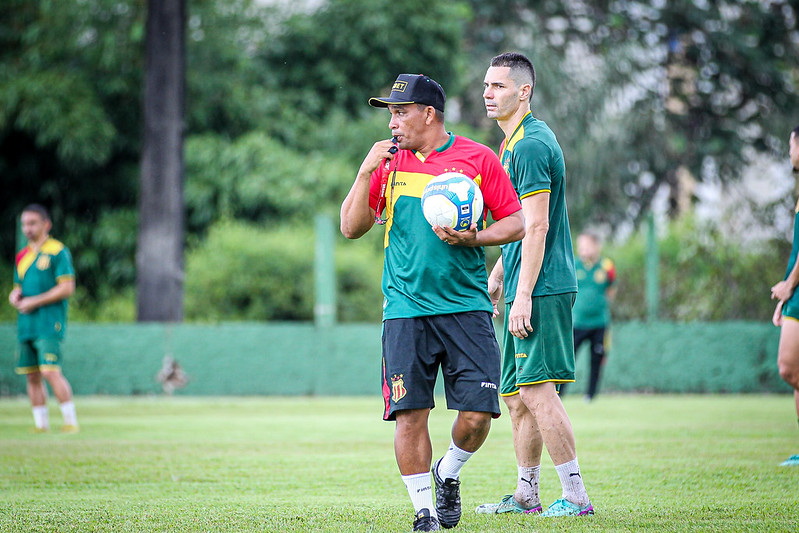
(110, 307)
(104, 252)
(704, 275)
(359, 272)
(277, 121)
(243, 272)
(7, 312)
(694, 85)
(340, 54)
(246, 272)
(258, 179)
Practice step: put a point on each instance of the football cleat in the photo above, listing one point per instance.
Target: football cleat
(69, 428)
(564, 507)
(791, 461)
(507, 505)
(448, 499)
(425, 522)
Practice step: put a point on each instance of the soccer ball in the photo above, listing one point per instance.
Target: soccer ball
(452, 200)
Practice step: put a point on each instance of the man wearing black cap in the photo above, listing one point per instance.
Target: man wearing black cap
(436, 311)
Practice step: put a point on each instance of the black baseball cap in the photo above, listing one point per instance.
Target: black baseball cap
(413, 89)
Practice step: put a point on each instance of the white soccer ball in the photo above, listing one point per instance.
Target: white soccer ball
(452, 200)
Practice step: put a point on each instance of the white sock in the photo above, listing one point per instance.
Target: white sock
(420, 489)
(40, 417)
(69, 414)
(450, 465)
(527, 486)
(572, 482)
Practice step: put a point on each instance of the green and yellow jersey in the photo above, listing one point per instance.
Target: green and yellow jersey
(534, 161)
(591, 309)
(36, 272)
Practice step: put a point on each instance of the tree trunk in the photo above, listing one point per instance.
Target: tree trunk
(159, 256)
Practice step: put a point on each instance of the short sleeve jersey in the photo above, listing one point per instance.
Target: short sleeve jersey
(36, 272)
(534, 161)
(591, 309)
(793, 301)
(423, 275)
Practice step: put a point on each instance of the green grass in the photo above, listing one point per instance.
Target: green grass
(651, 463)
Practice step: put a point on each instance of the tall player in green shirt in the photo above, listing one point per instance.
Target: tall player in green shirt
(786, 314)
(540, 286)
(43, 280)
(436, 312)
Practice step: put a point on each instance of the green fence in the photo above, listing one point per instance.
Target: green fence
(303, 359)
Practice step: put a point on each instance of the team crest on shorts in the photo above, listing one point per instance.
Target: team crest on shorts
(398, 391)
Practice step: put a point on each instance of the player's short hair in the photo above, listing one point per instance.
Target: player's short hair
(592, 234)
(38, 209)
(521, 68)
(439, 113)
(795, 131)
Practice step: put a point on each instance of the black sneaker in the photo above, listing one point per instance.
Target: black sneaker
(425, 522)
(448, 499)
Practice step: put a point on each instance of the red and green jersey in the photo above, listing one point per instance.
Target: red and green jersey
(533, 159)
(36, 272)
(591, 309)
(422, 275)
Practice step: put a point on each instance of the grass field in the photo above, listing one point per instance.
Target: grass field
(651, 463)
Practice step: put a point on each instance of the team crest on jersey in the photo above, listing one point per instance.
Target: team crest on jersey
(43, 263)
(398, 391)
(600, 276)
(506, 166)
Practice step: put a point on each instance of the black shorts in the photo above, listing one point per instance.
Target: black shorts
(464, 345)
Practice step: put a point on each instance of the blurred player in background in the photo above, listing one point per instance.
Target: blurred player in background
(591, 313)
(540, 285)
(786, 313)
(436, 311)
(43, 281)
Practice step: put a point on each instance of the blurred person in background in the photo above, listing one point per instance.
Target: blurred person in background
(786, 314)
(43, 281)
(591, 312)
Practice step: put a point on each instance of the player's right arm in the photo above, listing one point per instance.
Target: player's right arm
(15, 295)
(62, 290)
(536, 215)
(357, 213)
(784, 289)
